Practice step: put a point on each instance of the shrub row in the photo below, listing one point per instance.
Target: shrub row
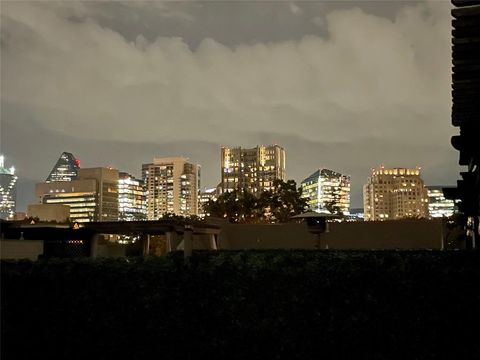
(250, 304)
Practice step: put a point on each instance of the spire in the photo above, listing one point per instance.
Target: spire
(65, 169)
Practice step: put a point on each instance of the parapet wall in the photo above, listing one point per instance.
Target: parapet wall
(378, 235)
(20, 249)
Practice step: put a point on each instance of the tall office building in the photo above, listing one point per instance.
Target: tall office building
(8, 190)
(326, 190)
(252, 169)
(395, 193)
(438, 206)
(131, 198)
(93, 196)
(66, 168)
(171, 187)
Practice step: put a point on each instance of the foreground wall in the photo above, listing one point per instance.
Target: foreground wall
(20, 249)
(398, 234)
(263, 236)
(395, 234)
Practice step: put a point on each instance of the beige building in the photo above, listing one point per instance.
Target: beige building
(172, 186)
(395, 193)
(93, 196)
(252, 169)
(49, 212)
(19, 215)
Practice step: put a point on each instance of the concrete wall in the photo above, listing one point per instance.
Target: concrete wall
(20, 249)
(396, 234)
(266, 236)
(199, 242)
(110, 250)
(399, 234)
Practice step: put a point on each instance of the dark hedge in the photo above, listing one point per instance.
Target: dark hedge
(245, 305)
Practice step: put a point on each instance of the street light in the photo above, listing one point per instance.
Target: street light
(317, 224)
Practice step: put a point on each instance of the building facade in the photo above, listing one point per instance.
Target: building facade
(438, 205)
(66, 168)
(8, 191)
(252, 169)
(327, 190)
(395, 193)
(205, 196)
(171, 187)
(49, 212)
(93, 196)
(131, 198)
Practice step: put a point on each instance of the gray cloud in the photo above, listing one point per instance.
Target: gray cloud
(367, 87)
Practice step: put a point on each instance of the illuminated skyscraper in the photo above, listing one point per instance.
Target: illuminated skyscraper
(8, 190)
(66, 168)
(93, 196)
(327, 190)
(171, 187)
(395, 193)
(252, 169)
(438, 206)
(131, 198)
(205, 196)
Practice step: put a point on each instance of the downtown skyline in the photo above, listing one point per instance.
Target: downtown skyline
(344, 86)
(203, 186)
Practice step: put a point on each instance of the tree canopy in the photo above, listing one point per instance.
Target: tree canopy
(273, 206)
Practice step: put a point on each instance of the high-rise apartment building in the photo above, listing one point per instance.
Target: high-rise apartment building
(205, 196)
(66, 168)
(327, 190)
(395, 193)
(171, 187)
(131, 198)
(252, 169)
(8, 190)
(438, 206)
(93, 196)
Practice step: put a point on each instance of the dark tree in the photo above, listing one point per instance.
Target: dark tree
(333, 207)
(285, 201)
(277, 205)
(455, 237)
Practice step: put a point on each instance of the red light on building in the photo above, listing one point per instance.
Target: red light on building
(77, 162)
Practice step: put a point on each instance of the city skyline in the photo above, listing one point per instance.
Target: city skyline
(24, 202)
(171, 79)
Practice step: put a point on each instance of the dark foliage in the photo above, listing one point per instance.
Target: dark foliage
(245, 305)
(277, 205)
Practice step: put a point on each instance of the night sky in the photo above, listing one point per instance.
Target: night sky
(343, 85)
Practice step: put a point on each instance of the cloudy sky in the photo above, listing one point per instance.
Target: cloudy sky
(343, 85)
